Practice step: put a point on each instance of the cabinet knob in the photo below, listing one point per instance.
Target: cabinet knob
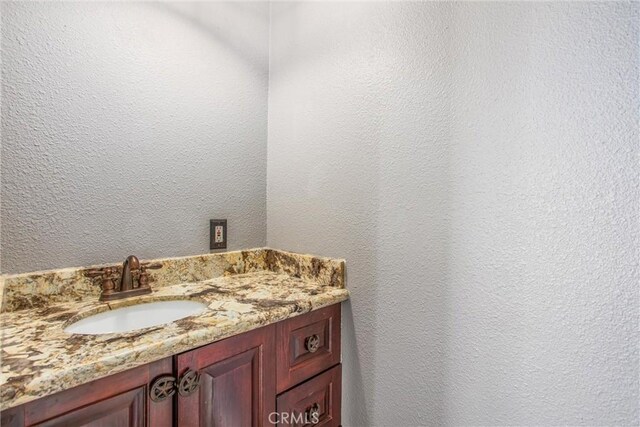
(312, 343)
(189, 382)
(166, 386)
(162, 388)
(313, 414)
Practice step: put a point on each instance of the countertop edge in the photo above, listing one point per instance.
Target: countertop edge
(168, 348)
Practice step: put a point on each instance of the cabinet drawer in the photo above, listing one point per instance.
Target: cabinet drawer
(315, 402)
(307, 345)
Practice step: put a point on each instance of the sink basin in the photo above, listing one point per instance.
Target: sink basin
(135, 317)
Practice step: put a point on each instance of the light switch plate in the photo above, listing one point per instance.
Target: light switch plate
(218, 234)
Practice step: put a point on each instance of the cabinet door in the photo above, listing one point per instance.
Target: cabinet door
(237, 382)
(118, 400)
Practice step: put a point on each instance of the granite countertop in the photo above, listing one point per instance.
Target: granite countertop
(243, 290)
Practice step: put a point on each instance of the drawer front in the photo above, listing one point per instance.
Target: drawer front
(315, 402)
(307, 345)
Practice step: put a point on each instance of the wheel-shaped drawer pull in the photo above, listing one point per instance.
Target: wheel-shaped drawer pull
(312, 343)
(313, 414)
(189, 382)
(162, 388)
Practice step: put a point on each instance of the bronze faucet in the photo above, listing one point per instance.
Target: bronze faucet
(131, 263)
(132, 269)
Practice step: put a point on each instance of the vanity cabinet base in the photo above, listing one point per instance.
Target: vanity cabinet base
(231, 382)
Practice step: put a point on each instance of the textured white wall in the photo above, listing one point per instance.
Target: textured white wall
(477, 166)
(126, 126)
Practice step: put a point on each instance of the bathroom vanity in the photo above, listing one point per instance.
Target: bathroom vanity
(264, 351)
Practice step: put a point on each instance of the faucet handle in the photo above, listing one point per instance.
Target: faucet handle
(153, 266)
(143, 279)
(95, 272)
(106, 274)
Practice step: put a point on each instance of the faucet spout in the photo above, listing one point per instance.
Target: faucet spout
(131, 263)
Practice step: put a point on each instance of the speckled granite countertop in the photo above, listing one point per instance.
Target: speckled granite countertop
(243, 291)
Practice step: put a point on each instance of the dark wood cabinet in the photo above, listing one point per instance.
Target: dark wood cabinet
(229, 383)
(237, 381)
(120, 400)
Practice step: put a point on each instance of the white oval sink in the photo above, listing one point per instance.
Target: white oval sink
(133, 317)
